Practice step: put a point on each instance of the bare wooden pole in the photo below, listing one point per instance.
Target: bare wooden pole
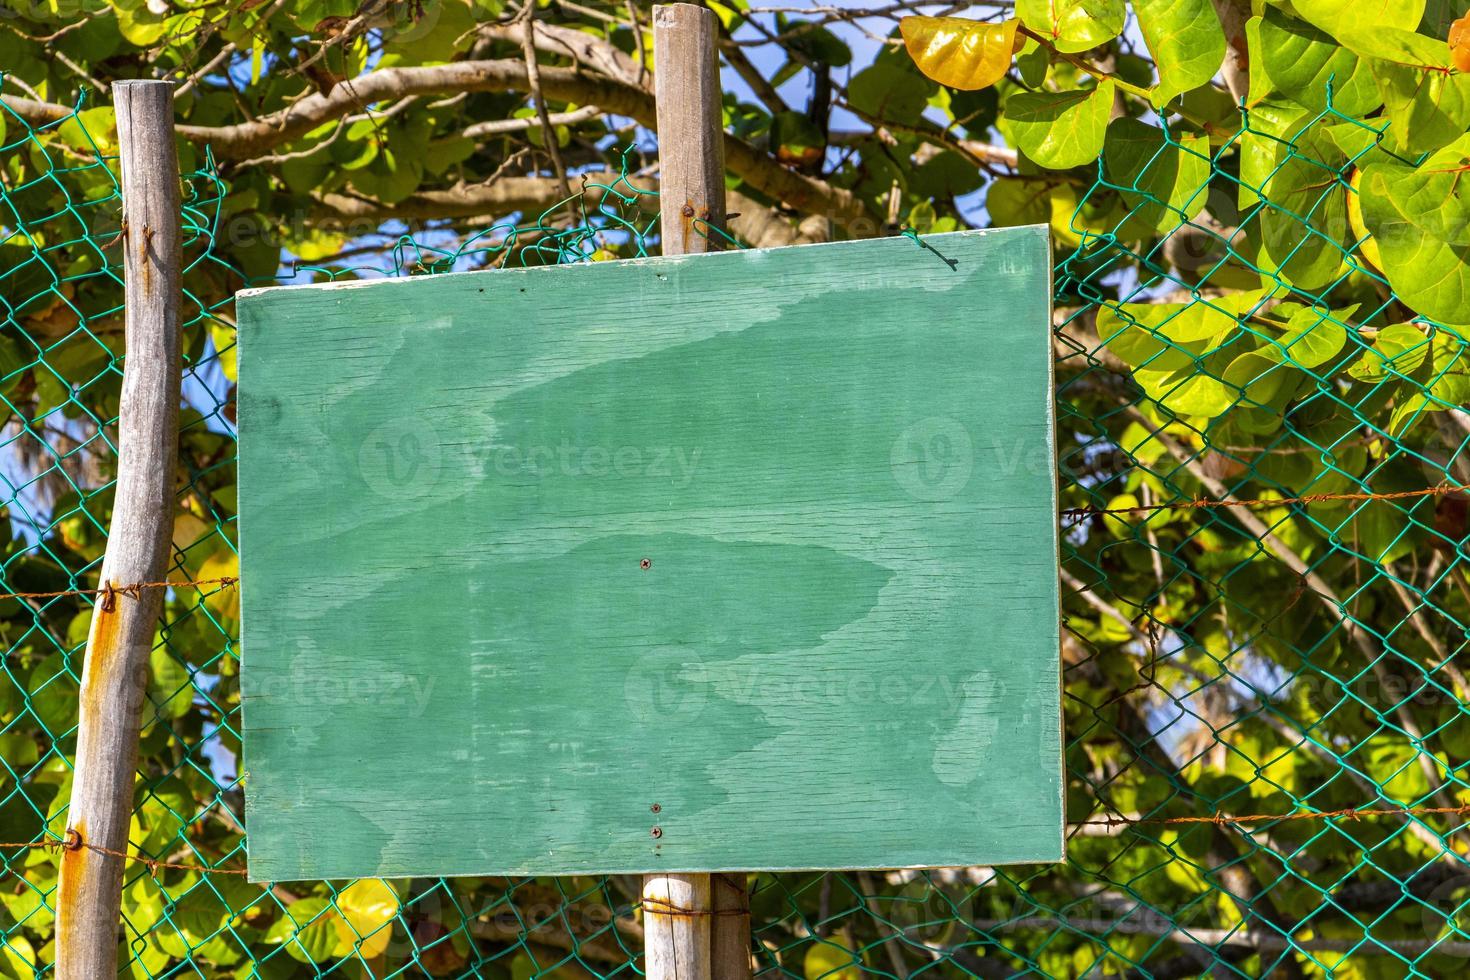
(115, 673)
(676, 927)
(730, 927)
(691, 143)
(681, 927)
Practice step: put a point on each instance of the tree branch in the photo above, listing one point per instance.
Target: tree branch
(757, 225)
(247, 139)
(582, 48)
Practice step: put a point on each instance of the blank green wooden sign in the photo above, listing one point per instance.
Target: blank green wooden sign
(731, 561)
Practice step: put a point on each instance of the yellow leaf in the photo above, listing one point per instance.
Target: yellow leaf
(224, 342)
(1459, 40)
(367, 909)
(189, 530)
(1367, 246)
(832, 959)
(224, 600)
(960, 53)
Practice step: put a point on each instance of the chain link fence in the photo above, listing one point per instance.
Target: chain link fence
(1265, 592)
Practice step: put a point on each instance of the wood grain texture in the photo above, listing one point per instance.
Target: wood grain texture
(837, 462)
(691, 136)
(691, 211)
(676, 943)
(115, 672)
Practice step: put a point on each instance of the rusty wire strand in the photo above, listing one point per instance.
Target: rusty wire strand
(131, 589)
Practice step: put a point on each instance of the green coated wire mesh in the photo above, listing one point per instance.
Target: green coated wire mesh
(1244, 682)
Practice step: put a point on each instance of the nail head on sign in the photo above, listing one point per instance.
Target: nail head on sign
(656, 832)
(645, 564)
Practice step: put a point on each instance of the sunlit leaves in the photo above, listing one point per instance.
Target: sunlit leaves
(1301, 61)
(1311, 338)
(1074, 25)
(1337, 16)
(1420, 218)
(1367, 247)
(307, 929)
(1185, 38)
(1164, 336)
(1425, 99)
(1260, 379)
(367, 910)
(1397, 350)
(1060, 130)
(832, 959)
(960, 53)
(1303, 224)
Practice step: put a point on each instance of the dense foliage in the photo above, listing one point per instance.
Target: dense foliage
(1261, 248)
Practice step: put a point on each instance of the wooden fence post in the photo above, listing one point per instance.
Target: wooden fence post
(115, 672)
(691, 923)
(691, 135)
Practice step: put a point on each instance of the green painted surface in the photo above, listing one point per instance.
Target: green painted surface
(837, 461)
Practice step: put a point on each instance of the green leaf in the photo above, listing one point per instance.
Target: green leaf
(1449, 370)
(887, 90)
(975, 111)
(19, 957)
(1397, 350)
(796, 139)
(90, 127)
(1427, 102)
(170, 688)
(1074, 25)
(1186, 40)
(1192, 391)
(1420, 218)
(1337, 16)
(1261, 379)
(422, 33)
(444, 153)
(1032, 64)
(307, 927)
(139, 24)
(1060, 130)
(1299, 60)
(1012, 201)
(815, 42)
(945, 175)
(1312, 337)
(1303, 226)
(1163, 337)
(1163, 181)
(1271, 122)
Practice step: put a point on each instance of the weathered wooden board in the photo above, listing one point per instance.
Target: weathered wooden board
(731, 561)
